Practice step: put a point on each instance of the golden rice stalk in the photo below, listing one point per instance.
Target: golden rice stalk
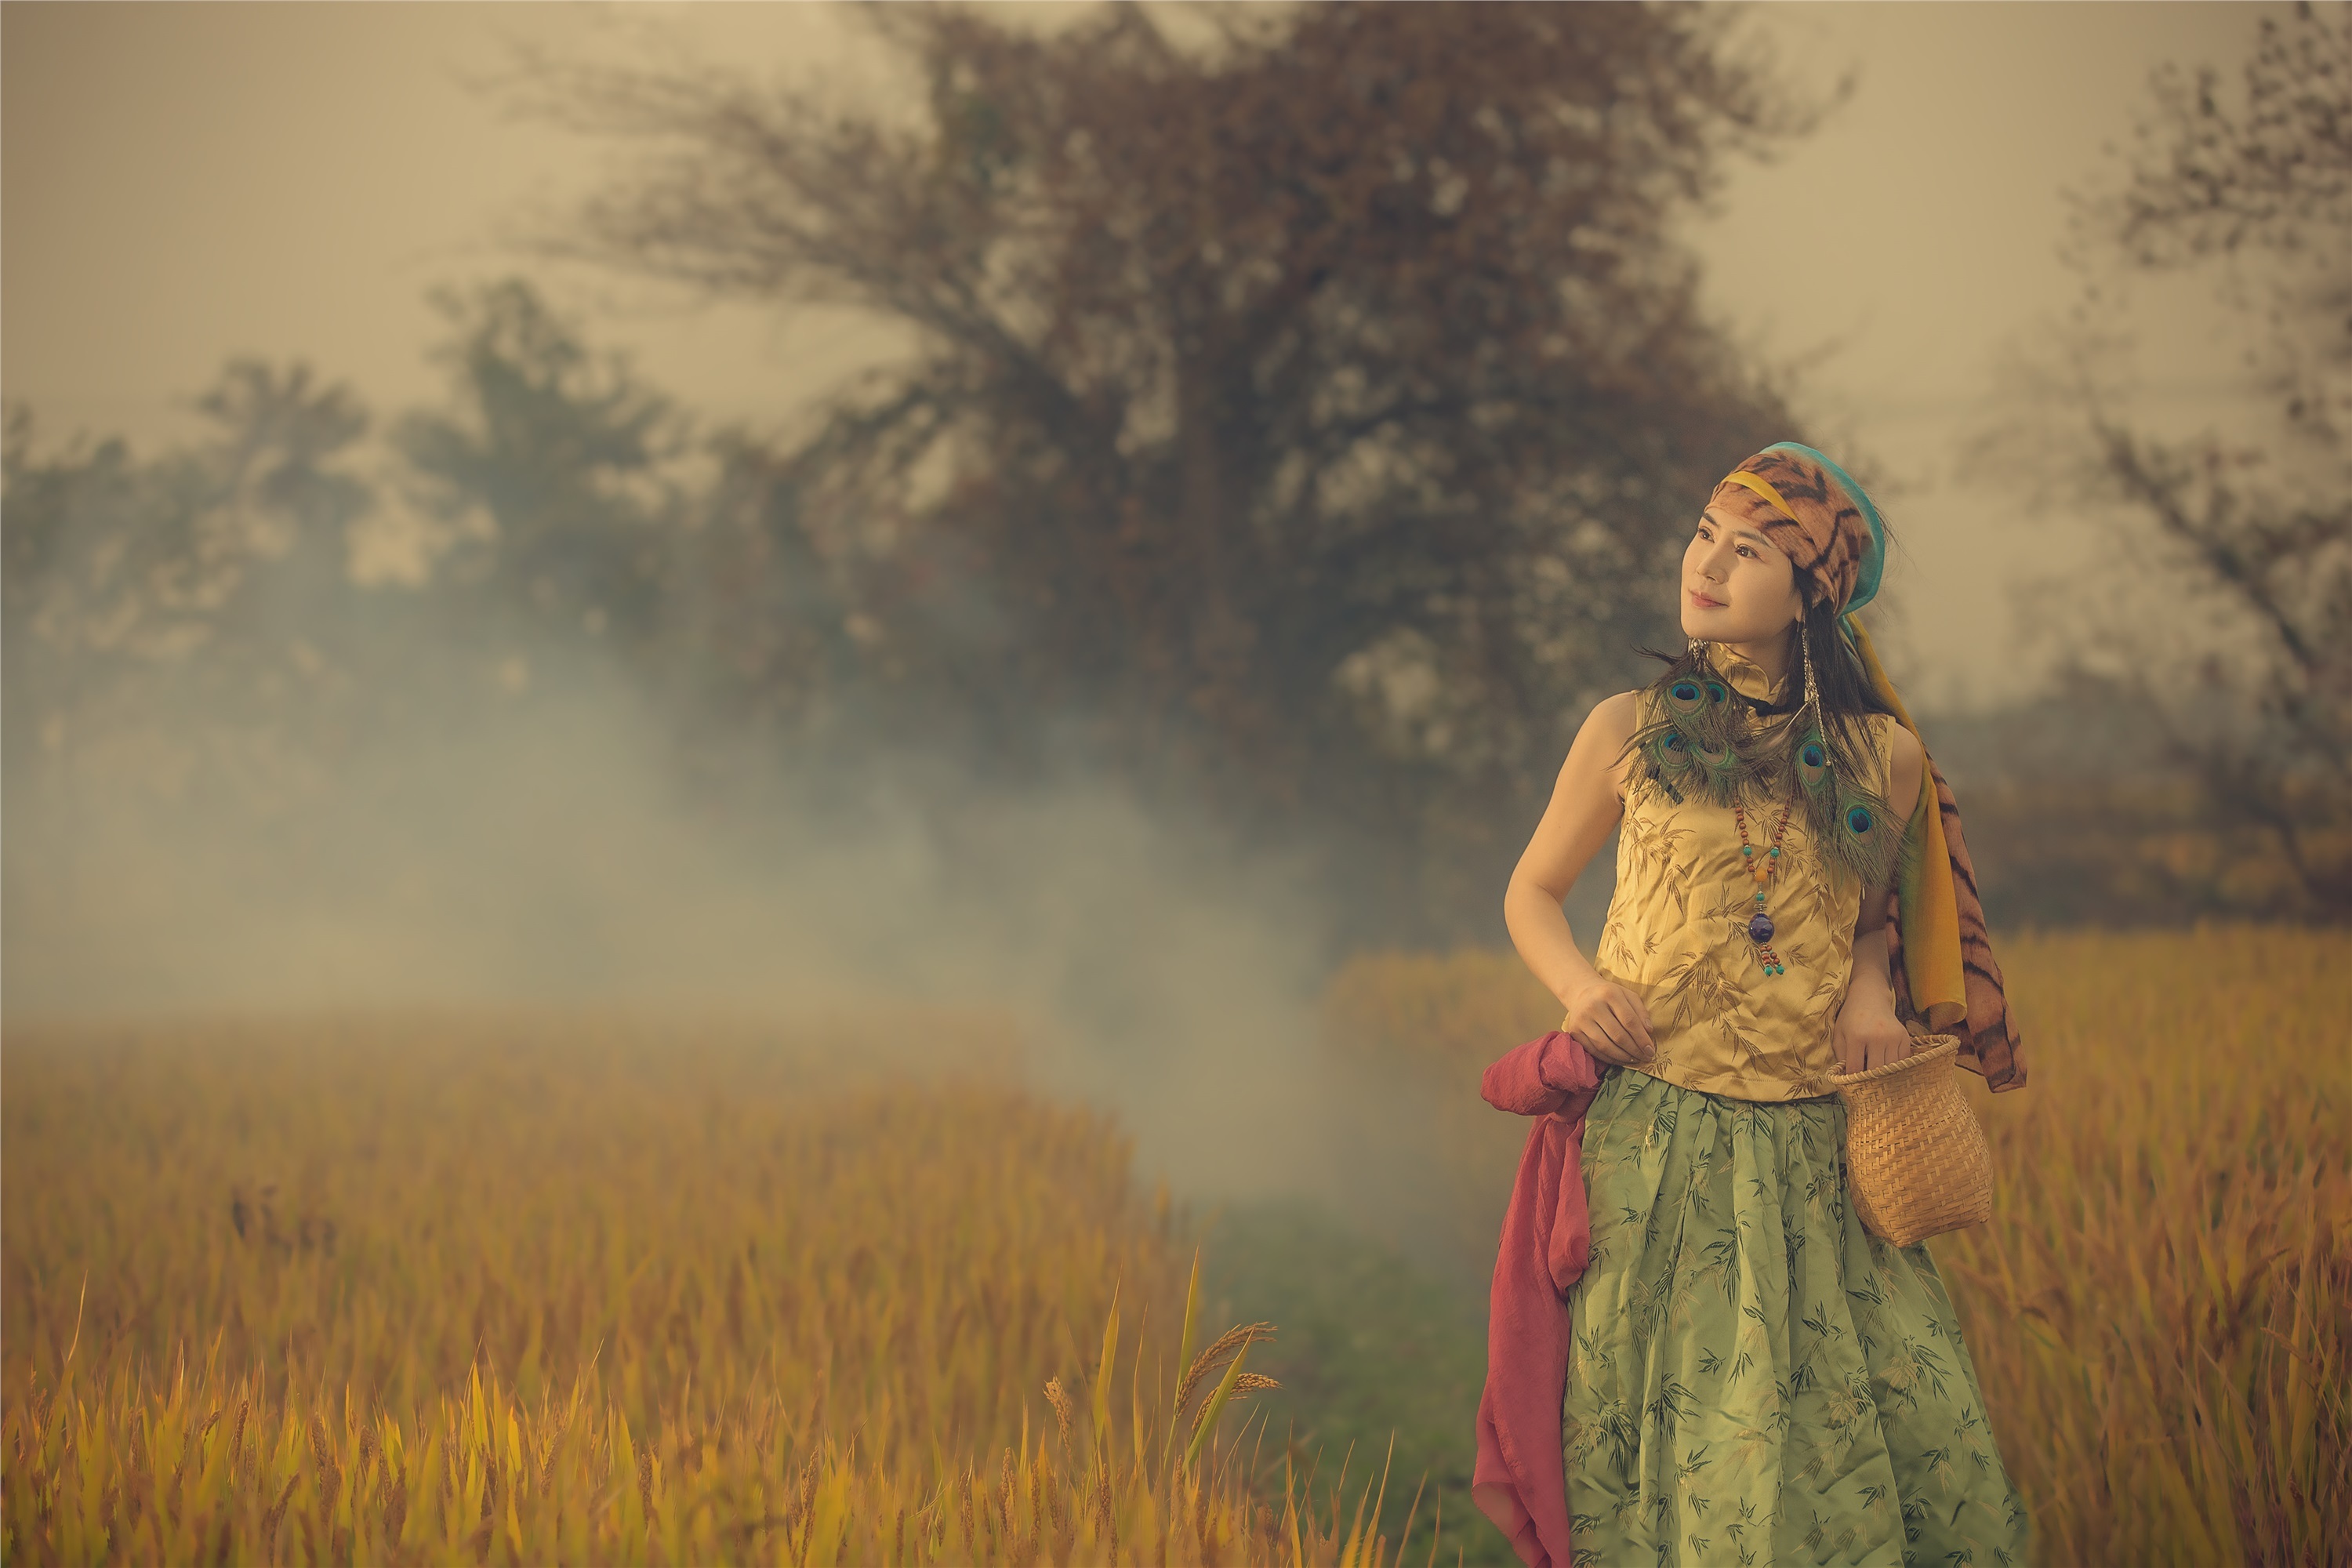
(1063, 1414)
(1231, 1342)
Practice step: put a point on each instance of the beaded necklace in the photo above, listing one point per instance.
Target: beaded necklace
(1759, 924)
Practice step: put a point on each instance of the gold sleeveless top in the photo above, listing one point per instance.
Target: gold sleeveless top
(1677, 938)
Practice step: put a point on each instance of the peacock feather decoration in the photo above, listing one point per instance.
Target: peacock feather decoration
(1698, 742)
(1701, 739)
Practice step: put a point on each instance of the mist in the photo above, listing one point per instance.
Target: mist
(560, 845)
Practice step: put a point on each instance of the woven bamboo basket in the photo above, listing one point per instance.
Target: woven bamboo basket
(1917, 1161)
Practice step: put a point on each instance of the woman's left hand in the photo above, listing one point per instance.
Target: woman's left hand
(1869, 1035)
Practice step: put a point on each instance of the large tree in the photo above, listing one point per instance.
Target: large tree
(1310, 412)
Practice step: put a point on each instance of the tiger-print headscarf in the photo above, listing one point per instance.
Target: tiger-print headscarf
(1817, 517)
(1944, 969)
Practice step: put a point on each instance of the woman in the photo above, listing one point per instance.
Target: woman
(1751, 1378)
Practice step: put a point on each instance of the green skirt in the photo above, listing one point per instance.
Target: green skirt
(1756, 1379)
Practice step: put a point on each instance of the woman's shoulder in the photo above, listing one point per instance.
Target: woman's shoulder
(1882, 727)
(1895, 737)
(1603, 739)
(1611, 724)
(1905, 757)
(1616, 717)
(1901, 759)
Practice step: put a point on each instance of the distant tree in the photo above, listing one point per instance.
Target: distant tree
(244, 608)
(1314, 412)
(572, 505)
(553, 473)
(759, 627)
(2251, 189)
(135, 587)
(107, 553)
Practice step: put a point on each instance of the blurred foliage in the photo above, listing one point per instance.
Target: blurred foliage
(191, 582)
(549, 475)
(2083, 809)
(2241, 663)
(2133, 852)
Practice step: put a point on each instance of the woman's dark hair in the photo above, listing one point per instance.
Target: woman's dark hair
(1844, 686)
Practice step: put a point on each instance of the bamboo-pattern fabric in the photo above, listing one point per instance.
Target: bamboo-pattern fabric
(1754, 1380)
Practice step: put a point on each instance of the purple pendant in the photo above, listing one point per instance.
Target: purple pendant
(1760, 929)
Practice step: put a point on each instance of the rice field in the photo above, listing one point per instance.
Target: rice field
(529, 1288)
(526, 1287)
(2160, 1311)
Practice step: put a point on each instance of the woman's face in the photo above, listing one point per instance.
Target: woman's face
(1737, 587)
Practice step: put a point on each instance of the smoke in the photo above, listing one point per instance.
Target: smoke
(565, 842)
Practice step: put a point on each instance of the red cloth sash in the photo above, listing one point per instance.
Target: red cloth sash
(1518, 1481)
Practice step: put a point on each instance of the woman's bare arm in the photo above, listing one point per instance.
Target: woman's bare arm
(1587, 801)
(1868, 1034)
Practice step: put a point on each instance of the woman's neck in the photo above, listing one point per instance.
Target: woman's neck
(1772, 655)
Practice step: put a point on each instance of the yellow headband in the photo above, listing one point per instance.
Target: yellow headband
(1762, 487)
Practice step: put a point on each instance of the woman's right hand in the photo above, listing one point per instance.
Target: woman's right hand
(1610, 1024)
